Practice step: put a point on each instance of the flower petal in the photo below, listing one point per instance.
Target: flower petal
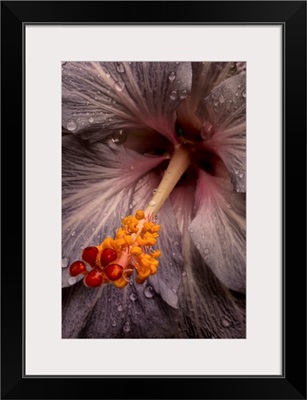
(98, 185)
(207, 308)
(102, 97)
(136, 311)
(219, 231)
(225, 110)
(206, 76)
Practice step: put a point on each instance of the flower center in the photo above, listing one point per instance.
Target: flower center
(115, 260)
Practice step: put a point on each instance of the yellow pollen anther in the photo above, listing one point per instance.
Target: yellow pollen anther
(140, 215)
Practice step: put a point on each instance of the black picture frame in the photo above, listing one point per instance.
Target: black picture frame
(292, 383)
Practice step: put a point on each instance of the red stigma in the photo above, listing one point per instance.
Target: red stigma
(107, 256)
(76, 268)
(114, 271)
(89, 255)
(93, 279)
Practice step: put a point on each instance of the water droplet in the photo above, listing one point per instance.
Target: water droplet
(203, 236)
(225, 323)
(184, 273)
(119, 86)
(91, 120)
(133, 296)
(228, 205)
(71, 125)
(183, 94)
(130, 206)
(236, 171)
(237, 94)
(222, 99)
(65, 262)
(176, 243)
(207, 130)
(120, 308)
(73, 233)
(198, 245)
(170, 263)
(241, 175)
(244, 93)
(126, 327)
(119, 137)
(172, 76)
(152, 203)
(72, 280)
(206, 251)
(173, 95)
(149, 292)
(108, 75)
(131, 166)
(120, 68)
(113, 323)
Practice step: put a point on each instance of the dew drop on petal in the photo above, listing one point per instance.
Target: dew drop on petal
(173, 95)
(126, 327)
(198, 245)
(206, 251)
(131, 166)
(119, 86)
(225, 323)
(130, 206)
(113, 323)
(73, 233)
(72, 280)
(120, 308)
(207, 130)
(244, 93)
(176, 243)
(222, 99)
(203, 236)
(119, 137)
(149, 292)
(183, 94)
(71, 125)
(65, 262)
(133, 296)
(172, 76)
(120, 68)
(152, 203)
(91, 120)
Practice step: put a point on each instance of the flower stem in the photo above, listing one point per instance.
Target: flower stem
(177, 166)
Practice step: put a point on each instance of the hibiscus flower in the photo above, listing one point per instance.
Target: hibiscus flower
(153, 184)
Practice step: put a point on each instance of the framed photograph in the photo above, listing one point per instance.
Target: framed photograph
(163, 150)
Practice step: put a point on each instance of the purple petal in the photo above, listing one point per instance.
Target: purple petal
(206, 76)
(207, 308)
(219, 230)
(136, 311)
(100, 98)
(98, 186)
(225, 110)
